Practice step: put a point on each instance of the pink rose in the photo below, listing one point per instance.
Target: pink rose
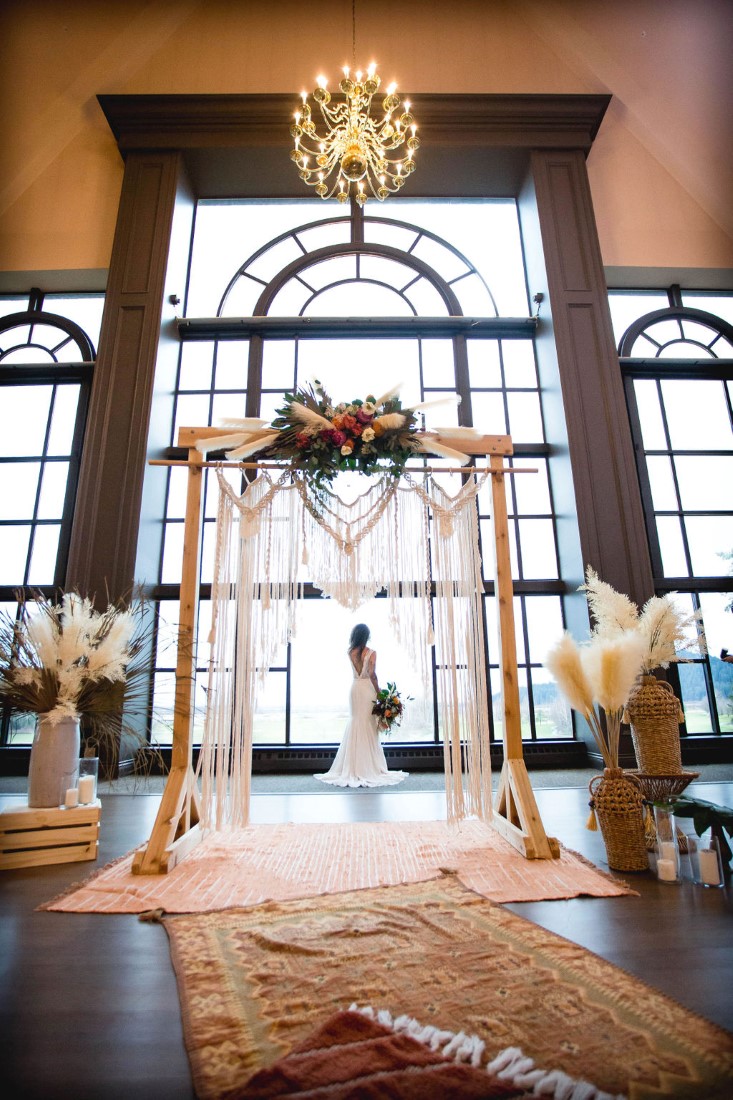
(364, 417)
(338, 438)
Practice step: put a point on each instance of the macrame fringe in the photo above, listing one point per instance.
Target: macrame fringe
(409, 538)
(510, 1065)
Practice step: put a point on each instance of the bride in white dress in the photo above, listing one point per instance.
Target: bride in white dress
(360, 760)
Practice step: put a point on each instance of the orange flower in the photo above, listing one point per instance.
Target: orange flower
(377, 428)
(338, 421)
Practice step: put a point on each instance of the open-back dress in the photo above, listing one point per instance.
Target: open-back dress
(360, 760)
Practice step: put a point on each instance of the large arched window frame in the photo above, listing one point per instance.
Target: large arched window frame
(46, 368)
(677, 365)
(484, 356)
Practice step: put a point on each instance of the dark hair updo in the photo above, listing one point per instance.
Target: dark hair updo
(359, 636)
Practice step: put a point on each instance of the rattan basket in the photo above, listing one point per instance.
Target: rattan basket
(618, 803)
(654, 713)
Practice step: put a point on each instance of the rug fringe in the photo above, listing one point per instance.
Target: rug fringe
(604, 874)
(510, 1065)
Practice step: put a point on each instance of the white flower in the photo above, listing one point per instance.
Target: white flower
(368, 435)
(347, 448)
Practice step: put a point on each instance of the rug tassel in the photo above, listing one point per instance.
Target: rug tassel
(648, 818)
(592, 822)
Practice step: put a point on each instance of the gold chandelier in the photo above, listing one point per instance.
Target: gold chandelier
(356, 147)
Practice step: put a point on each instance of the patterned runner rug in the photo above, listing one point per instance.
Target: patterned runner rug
(259, 982)
(276, 862)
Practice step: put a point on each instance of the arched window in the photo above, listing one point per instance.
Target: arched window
(46, 362)
(433, 298)
(677, 362)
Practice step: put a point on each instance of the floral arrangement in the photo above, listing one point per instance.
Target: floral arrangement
(321, 437)
(389, 707)
(661, 624)
(68, 660)
(324, 438)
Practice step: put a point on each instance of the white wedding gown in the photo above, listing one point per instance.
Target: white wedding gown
(360, 760)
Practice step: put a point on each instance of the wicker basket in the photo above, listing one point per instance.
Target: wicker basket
(619, 807)
(654, 713)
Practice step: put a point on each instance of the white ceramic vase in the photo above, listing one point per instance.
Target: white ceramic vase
(54, 765)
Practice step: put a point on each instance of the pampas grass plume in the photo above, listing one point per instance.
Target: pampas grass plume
(612, 611)
(563, 662)
(611, 666)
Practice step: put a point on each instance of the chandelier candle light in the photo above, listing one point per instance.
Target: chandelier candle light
(355, 147)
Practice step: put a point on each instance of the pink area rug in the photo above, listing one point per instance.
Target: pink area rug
(278, 862)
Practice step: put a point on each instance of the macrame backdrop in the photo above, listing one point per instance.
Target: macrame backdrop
(405, 538)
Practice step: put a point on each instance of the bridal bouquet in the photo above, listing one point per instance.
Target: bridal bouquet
(389, 707)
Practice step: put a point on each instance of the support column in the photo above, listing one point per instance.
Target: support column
(104, 541)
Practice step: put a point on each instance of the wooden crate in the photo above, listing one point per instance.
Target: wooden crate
(33, 837)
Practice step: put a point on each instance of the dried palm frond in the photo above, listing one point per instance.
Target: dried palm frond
(253, 445)
(220, 442)
(391, 421)
(435, 402)
(388, 396)
(431, 446)
(312, 421)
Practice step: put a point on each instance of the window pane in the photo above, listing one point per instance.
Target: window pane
(84, 310)
(14, 552)
(705, 482)
(63, 422)
(172, 554)
(664, 494)
(473, 297)
(268, 724)
(339, 269)
(43, 555)
(695, 698)
(426, 300)
(488, 413)
(544, 624)
(650, 415)
(709, 537)
(23, 419)
(20, 484)
(551, 709)
(437, 363)
(721, 305)
(627, 307)
(196, 360)
(346, 367)
(519, 365)
(53, 490)
(483, 362)
(538, 548)
(532, 490)
(278, 364)
(232, 360)
(671, 546)
(697, 414)
(525, 418)
(192, 411)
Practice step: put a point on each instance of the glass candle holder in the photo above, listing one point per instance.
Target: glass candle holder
(710, 862)
(88, 775)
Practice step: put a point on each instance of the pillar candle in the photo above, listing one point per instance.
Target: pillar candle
(709, 869)
(667, 848)
(71, 798)
(667, 870)
(86, 788)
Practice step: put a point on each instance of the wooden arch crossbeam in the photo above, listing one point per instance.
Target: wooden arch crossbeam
(176, 829)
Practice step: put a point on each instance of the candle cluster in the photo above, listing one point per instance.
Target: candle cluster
(85, 790)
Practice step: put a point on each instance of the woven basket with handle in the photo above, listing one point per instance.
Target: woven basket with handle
(654, 713)
(618, 803)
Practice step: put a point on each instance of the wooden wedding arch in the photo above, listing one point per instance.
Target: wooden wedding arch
(176, 829)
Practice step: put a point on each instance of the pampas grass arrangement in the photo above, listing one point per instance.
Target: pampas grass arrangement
(598, 675)
(664, 626)
(68, 660)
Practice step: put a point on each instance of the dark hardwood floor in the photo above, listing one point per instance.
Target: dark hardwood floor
(89, 1003)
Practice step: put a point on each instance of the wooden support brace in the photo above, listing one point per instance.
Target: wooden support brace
(175, 827)
(515, 815)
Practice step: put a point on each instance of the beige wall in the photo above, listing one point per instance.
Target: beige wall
(661, 169)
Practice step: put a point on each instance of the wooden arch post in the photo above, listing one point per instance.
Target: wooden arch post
(176, 829)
